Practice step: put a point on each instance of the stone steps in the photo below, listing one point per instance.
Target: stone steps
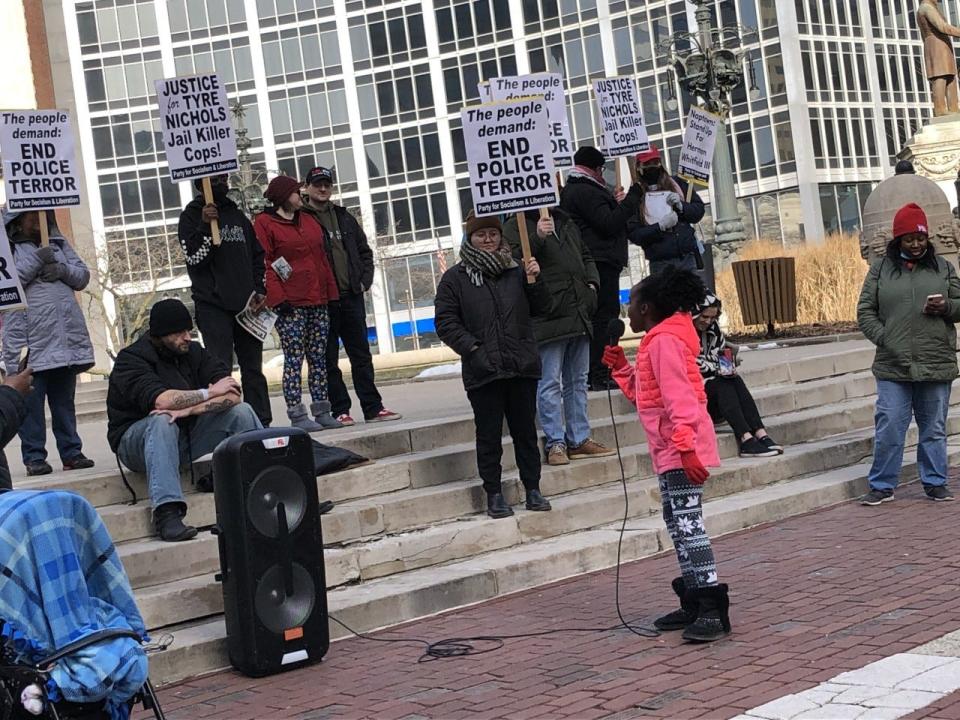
(200, 646)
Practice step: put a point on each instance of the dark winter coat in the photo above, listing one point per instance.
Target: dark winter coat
(142, 372)
(13, 409)
(224, 275)
(602, 220)
(496, 318)
(358, 249)
(911, 346)
(568, 271)
(301, 242)
(677, 242)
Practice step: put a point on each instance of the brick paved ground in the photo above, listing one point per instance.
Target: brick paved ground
(813, 596)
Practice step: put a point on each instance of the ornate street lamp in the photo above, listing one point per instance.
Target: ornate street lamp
(708, 63)
(246, 184)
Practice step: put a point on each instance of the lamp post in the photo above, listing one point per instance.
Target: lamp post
(710, 71)
(246, 184)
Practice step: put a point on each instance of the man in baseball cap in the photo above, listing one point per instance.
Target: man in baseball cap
(351, 258)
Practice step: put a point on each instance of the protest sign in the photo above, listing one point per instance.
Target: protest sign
(39, 165)
(11, 291)
(699, 141)
(621, 119)
(550, 86)
(483, 88)
(509, 156)
(259, 324)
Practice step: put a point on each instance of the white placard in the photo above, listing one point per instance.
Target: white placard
(483, 88)
(550, 87)
(621, 118)
(699, 140)
(39, 165)
(195, 123)
(12, 296)
(509, 156)
(655, 204)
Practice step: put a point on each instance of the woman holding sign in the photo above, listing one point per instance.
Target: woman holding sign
(300, 284)
(483, 313)
(53, 329)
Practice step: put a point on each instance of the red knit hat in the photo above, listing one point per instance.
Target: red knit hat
(910, 219)
(280, 189)
(653, 153)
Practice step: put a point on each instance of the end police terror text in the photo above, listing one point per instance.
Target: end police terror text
(40, 171)
(510, 167)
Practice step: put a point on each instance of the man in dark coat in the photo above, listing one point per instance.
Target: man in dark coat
(666, 233)
(570, 275)
(603, 222)
(223, 277)
(351, 258)
(170, 402)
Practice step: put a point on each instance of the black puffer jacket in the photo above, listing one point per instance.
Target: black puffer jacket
(496, 319)
(603, 222)
(568, 271)
(675, 243)
(142, 372)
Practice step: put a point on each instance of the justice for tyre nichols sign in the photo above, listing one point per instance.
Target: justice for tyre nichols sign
(510, 156)
(39, 167)
(195, 121)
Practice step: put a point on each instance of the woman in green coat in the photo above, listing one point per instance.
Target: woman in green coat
(908, 306)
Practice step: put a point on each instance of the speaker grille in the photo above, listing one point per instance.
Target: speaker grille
(279, 611)
(274, 485)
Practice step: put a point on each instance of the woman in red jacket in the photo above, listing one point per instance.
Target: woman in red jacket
(667, 389)
(300, 284)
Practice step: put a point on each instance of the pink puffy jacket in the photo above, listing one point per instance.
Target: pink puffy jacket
(668, 391)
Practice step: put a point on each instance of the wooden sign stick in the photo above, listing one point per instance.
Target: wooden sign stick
(208, 200)
(525, 243)
(689, 191)
(632, 165)
(44, 230)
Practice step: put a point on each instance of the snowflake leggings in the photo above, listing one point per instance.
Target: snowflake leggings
(303, 333)
(683, 514)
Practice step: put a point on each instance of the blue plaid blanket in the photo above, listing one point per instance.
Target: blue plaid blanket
(62, 580)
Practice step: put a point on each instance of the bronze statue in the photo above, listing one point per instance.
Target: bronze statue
(941, 64)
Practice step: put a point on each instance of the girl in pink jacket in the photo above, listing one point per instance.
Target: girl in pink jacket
(668, 391)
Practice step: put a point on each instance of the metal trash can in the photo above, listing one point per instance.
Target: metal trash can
(767, 290)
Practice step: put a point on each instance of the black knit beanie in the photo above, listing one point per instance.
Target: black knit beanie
(589, 157)
(169, 316)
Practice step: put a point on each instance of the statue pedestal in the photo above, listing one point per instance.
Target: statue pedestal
(935, 152)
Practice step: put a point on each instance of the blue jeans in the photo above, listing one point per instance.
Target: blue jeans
(928, 402)
(159, 448)
(562, 392)
(58, 388)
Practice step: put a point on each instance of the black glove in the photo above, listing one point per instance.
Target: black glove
(51, 272)
(47, 254)
(284, 308)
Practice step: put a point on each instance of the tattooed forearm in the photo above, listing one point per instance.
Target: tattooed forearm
(219, 404)
(183, 400)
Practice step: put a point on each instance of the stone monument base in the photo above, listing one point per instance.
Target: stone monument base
(935, 152)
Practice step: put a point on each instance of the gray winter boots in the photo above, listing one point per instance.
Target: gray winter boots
(299, 419)
(321, 413)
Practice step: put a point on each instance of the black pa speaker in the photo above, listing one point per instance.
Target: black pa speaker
(271, 551)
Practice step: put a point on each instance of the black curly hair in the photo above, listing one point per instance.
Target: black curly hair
(671, 290)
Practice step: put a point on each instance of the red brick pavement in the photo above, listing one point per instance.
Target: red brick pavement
(812, 596)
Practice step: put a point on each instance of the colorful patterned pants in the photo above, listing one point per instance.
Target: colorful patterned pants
(683, 514)
(303, 334)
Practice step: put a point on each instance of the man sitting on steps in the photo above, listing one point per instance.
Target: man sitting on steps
(169, 403)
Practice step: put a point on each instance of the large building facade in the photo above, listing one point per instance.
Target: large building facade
(374, 88)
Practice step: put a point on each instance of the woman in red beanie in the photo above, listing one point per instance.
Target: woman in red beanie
(300, 284)
(908, 306)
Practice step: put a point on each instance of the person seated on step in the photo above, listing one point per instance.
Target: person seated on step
(170, 402)
(909, 307)
(666, 388)
(727, 395)
(483, 308)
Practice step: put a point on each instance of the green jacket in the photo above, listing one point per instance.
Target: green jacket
(911, 346)
(567, 269)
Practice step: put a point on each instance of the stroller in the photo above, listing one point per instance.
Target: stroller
(71, 634)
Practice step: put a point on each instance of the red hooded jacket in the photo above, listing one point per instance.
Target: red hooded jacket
(301, 242)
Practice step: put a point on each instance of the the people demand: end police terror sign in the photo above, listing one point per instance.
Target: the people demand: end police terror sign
(621, 119)
(196, 128)
(510, 156)
(39, 166)
(550, 86)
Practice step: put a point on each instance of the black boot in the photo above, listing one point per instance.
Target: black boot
(713, 619)
(168, 519)
(687, 614)
(537, 502)
(497, 507)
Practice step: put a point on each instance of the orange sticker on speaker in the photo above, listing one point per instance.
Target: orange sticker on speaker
(293, 634)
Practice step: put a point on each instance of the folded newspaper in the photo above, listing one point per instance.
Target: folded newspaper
(258, 324)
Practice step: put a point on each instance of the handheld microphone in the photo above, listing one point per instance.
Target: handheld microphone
(615, 331)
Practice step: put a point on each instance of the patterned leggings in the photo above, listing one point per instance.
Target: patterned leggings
(683, 514)
(303, 333)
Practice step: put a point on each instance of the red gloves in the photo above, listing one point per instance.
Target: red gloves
(614, 357)
(692, 466)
